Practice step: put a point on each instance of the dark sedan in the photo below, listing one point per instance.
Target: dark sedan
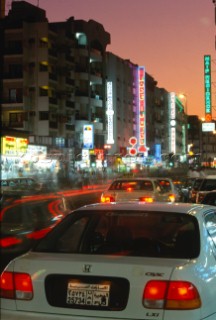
(210, 198)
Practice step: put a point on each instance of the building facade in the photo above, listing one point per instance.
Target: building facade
(62, 88)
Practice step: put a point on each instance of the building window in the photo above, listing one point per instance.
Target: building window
(43, 92)
(16, 119)
(16, 95)
(43, 115)
(44, 66)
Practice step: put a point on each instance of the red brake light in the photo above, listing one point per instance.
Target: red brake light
(15, 285)
(8, 242)
(171, 197)
(107, 199)
(7, 285)
(146, 199)
(171, 295)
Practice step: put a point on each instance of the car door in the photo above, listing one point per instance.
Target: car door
(210, 223)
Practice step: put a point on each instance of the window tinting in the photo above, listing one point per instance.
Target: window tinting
(144, 234)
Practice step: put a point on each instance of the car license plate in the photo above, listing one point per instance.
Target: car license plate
(88, 294)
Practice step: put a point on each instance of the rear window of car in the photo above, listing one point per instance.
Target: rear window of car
(208, 185)
(132, 185)
(131, 233)
(197, 183)
(210, 198)
(165, 184)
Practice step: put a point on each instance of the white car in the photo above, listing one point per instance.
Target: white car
(137, 189)
(119, 261)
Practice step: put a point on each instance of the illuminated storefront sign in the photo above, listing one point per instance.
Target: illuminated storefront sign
(208, 127)
(88, 137)
(142, 110)
(207, 84)
(110, 113)
(12, 146)
(172, 122)
(36, 152)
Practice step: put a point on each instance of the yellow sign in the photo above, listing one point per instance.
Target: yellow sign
(14, 146)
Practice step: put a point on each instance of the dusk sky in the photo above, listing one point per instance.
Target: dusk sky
(168, 37)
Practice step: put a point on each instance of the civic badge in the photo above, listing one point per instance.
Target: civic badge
(87, 268)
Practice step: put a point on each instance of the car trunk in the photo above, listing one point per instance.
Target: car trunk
(85, 286)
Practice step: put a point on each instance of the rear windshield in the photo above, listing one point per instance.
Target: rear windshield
(208, 185)
(132, 185)
(142, 234)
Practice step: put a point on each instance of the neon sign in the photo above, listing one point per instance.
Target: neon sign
(110, 113)
(207, 84)
(142, 110)
(172, 124)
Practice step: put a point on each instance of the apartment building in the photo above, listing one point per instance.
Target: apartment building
(63, 89)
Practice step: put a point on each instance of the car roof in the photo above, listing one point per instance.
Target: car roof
(134, 179)
(210, 192)
(185, 208)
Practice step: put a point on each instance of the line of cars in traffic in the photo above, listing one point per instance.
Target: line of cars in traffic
(197, 190)
(139, 254)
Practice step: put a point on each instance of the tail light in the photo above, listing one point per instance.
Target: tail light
(179, 295)
(171, 197)
(146, 199)
(9, 242)
(107, 199)
(15, 285)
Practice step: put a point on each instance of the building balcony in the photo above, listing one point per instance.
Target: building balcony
(13, 75)
(69, 58)
(17, 50)
(97, 102)
(70, 104)
(96, 55)
(52, 52)
(52, 77)
(16, 100)
(53, 124)
(96, 78)
(69, 81)
(14, 124)
(83, 75)
(82, 52)
(70, 127)
(53, 101)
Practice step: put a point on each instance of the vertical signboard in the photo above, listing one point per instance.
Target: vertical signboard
(88, 137)
(142, 110)
(172, 122)
(110, 113)
(207, 88)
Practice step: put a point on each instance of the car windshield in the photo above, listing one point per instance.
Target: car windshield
(131, 233)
